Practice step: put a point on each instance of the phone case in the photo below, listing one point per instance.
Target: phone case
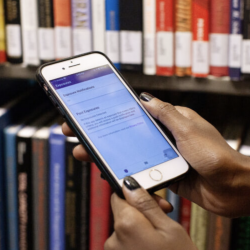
(100, 164)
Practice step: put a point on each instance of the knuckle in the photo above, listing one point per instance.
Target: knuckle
(164, 109)
(145, 202)
(108, 245)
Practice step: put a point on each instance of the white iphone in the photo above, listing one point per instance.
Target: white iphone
(107, 117)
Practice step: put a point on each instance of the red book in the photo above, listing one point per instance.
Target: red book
(200, 48)
(100, 219)
(164, 37)
(219, 35)
(185, 213)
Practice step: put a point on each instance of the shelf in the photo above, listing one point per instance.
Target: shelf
(138, 80)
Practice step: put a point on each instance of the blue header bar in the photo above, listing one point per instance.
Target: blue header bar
(80, 77)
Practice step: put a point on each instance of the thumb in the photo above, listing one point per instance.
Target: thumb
(144, 202)
(166, 113)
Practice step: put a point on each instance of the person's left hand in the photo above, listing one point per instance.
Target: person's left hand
(140, 224)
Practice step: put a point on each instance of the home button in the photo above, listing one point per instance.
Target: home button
(155, 175)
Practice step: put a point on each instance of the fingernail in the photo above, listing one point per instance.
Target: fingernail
(131, 183)
(146, 96)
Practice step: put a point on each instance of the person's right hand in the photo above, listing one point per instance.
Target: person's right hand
(219, 179)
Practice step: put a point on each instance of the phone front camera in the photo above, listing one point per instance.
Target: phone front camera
(63, 68)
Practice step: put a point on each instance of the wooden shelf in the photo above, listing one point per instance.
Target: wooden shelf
(138, 80)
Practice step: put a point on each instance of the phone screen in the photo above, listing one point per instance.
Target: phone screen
(115, 123)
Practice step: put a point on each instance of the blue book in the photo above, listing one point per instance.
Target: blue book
(174, 199)
(235, 40)
(113, 31)
(11, 185)
(57, 189)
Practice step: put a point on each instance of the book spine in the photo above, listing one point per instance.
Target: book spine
(200, 43)
(11, 177)
(62, 22)
(46, 36)
(174, 199)
(183, 37)
(40, 160)
(149, 29)
(113, 31)
(2, 34)
(162, 193)
(198, 227)
(219, 32)
(24, 192)
(165, 37)
(245, 64)
(13, 31)
(235, 40)
(57, 192)
(29, 17)
(218, 232)
(185, 214)
(99, 209)
(81, 26)
(131, 34)
(98, 24)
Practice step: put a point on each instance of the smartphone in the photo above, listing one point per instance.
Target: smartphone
(107, 117)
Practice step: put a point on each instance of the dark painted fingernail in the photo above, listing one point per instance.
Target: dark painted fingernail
(131, 183)
(146, 96)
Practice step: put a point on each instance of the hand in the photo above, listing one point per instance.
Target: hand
(140, 224)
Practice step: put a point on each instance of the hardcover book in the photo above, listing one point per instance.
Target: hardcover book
(174, 199)
(183, 37)
(131, 34)
(46, 32)
(185, 214)
(219, 31)
(81, 26)
(2, 34)
(165, 37)
(113, 31)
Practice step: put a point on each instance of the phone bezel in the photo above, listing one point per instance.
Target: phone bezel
(54, 70)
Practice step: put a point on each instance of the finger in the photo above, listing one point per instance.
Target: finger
(81, 154)
(163, 204)
(167, 114)
(66, 130)
(112, 243)
(144, 202)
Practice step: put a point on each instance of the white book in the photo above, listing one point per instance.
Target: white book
(149, 29)
(98, 25)
(29, 20)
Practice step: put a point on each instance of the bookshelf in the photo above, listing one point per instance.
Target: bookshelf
(141, 81)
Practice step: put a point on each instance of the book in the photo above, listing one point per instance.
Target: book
(62, 22)
(76, 200)
(165, 37)
(174, 199)
(25, 180)
(185, 214)
(13, 31)
(183, 37)
(100, 192)
(113, 31)
(46, 33)
(219, 31)
(2, 34)
(149, 29)
(98, 24)
(57, 189)
(198, 226)
(235, 40)
(245, 63)
(162, 193)
(81, 26)
(29, 17)
(200, 43)
(131, 34)
(218, 232)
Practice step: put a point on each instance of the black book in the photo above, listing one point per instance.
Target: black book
(131, 34)
(13, 31)
(76, 200)
(46, 30)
